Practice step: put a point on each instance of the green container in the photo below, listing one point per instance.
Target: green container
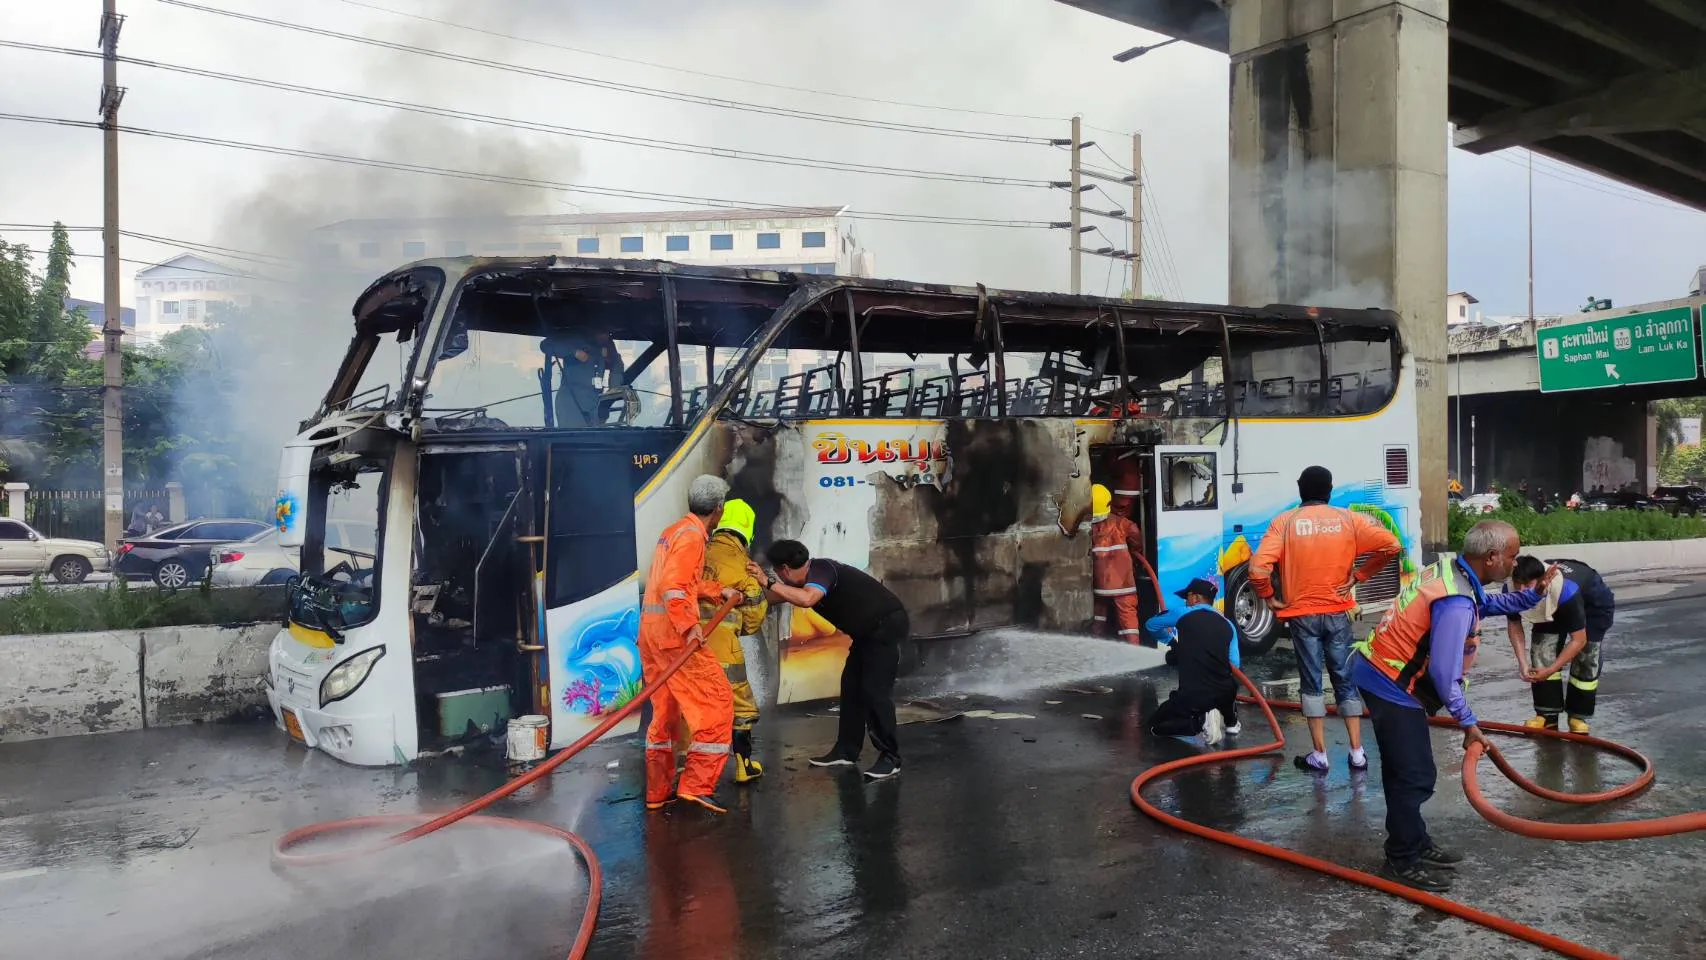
(487, 708)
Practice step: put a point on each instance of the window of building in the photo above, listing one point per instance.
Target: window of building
(1463, 310)
(813, 238)
(169, 308)
(722, 241)
(192, 309)
(455, 248)
(544, 247)
(586, 245)
(819, 268)
(633, 244)
(370, 249)
(769, 241)
(675, 243)
(414, 249)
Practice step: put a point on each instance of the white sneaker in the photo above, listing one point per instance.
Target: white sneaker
(1234, 730)
(1213, 728)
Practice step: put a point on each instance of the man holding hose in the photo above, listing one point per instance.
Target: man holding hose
(1411, 665)
(698, 692)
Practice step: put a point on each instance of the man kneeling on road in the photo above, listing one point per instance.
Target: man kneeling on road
(1410, 666)
(1205, 649)
(1568, 628)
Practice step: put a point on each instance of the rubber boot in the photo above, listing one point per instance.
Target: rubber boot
(746, 768)
(1541, 723)
(1578, 725)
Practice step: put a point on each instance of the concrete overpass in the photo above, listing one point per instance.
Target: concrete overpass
(1339, 133)
(1502, 428)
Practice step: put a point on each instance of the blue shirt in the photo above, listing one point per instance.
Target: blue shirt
(1164, 626)
(1451, 617)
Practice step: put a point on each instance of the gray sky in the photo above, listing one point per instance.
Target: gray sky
(1029, 57)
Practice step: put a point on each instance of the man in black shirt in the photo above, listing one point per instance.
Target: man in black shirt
(874, 618)
(1205, 649)
(1569, 625)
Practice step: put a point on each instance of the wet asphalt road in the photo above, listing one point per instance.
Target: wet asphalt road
(1002, 838)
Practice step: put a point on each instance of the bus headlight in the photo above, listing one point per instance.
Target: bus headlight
(346, 677)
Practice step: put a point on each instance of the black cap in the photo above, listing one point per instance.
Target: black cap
(1315, 483)
(1200, 587)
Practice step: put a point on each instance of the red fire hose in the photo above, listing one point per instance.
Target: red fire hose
(424, 824)
(1623, 830)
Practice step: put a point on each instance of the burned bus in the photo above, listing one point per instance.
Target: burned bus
(521, 430)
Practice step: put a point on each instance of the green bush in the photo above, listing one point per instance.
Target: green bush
(1582, 526)
(119, 606)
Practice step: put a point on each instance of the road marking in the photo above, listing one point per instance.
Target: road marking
(24, 874)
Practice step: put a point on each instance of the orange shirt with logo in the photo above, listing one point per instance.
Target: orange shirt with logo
(1315, 548)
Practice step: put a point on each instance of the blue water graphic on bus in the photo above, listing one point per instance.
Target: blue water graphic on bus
(600, 669)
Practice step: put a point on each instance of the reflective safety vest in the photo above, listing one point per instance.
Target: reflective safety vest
(1399, 645)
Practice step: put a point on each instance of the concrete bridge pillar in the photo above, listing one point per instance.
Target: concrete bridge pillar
(1338, 140)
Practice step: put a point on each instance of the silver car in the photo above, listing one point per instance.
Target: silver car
(260, 561)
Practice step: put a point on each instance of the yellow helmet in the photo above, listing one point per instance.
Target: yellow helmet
(738, 516)
(1100, 500)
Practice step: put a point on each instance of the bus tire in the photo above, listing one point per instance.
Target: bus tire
(1258, 628)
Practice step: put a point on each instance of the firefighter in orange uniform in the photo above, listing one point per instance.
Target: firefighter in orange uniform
(1115, 542)
(698, 692)
(1126, 474)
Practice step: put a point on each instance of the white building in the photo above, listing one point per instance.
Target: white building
(1457, 308)
(185, 291)
(798, 239)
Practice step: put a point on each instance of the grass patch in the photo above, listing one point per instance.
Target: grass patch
(119, 606)
(1582, 526)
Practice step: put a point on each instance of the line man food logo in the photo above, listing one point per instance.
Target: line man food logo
(1309, 527)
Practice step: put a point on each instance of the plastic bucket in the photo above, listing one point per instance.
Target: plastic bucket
(528, 738)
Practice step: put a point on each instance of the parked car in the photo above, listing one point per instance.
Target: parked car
(1479, 503)
(178, 556)
(24, 551)
(1680, 499)
(260, 560)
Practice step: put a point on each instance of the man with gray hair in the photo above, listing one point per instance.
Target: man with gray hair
(698, 692)
(1413, 664)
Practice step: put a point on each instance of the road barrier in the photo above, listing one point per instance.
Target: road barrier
(74, 683)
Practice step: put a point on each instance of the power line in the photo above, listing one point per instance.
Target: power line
(1566, 174)
(622, 87)
(1166, 245)
(540, 127)
(190, 245)
(519, 181)
(699, 73)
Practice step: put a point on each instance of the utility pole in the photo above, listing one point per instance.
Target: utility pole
(1531, 236)
(112, 328)
(1137, 217)
(1077, 194)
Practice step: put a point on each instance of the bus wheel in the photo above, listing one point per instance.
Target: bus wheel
(1258, 628)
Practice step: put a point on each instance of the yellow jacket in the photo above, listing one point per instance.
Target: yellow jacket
(725, 562)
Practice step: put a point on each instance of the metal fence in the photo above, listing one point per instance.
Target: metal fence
(77, 514)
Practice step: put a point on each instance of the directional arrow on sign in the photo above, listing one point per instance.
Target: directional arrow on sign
(1611, 371)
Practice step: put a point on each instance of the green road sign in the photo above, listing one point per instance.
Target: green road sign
(1655, 347)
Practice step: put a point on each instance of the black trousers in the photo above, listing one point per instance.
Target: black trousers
(1407, 775)
(867, 689)
(1183, 712)
(1577, 688)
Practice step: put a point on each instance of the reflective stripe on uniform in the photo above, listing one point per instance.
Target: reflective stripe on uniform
(656, 608)
(708, 748)
(1129, 631)
(1584, 684)
(1127, 493)
(668, 745)
(1100, 619)
(1116, 548)
(675, 594)
(1119, 592)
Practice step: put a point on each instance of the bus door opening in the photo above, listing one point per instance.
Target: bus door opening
(1123, 469)
(1187, 522)
(468, 598)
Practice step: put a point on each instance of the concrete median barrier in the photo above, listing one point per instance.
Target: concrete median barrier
(76, 683)
(1636, 557)
(71, 683)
